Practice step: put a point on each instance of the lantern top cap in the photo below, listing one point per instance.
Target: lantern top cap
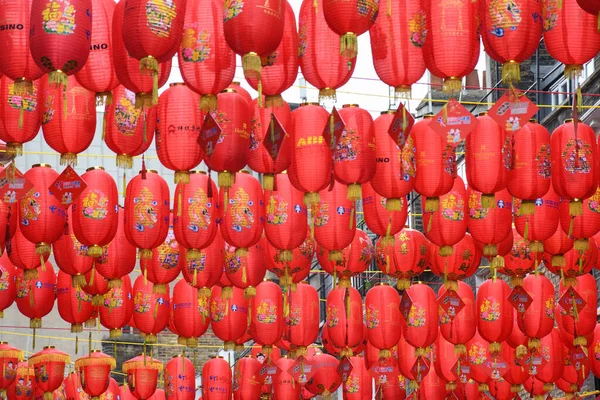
(570, 120)
(41, 165)
(93, 168)
(49, 347)
(428, 116)
(533, 121)
(213, 357)
(199, 172)
(177, 84)
(229, 90)
(3, 342)
(237, 83)
(151, 171)
(481, 114)
(386, 112)
(310, 103)
(245, 171)
(349, 105)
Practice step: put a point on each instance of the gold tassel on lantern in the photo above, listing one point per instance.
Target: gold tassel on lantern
(208, 102)
(252, 65)
(349, 45)
(511, 72)
(452, 84)
(355, 192)
(149, 64)
(393, 204)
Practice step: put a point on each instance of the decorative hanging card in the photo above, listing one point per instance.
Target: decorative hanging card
(405, 305)
(67, 187)
(302, 370)
(401, 125)
(453, 122)
(513, 110)
(385, 372)
(451, 303)
(572, 302)
(209, 135)
(520, 299)
(274, 138)
(13, 184)
(333, 129)
(345, 368)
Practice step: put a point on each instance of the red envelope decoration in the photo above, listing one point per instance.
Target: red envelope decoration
(302, 370)
(405, 305)
(420, 368)
(520, 299)
(267, 371)
(571, 301)
(335, 124)
(462, 371)
(513, 110)
(209, 135)
(68, 186)
(345, 368)
(13, 184)
(497, 366)
(401, 125)
(453, 122)
(384, 373)
(451, 303)
(273, 140)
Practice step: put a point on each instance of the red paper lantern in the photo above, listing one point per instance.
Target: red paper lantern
(35, 297)
(60, 37)
(501, 389)
(294, 271)
(354, 154)
(74, 305)
(494, 313)
(263, 125)
(246, 386)
(444, 361)
(229, 314)
(219, 387)
(302, 321)
(411, 366)
(460, 329)
(127, 67)
(150, 309)
(396, 168)
(432, 387)
(355, 260)
(325, 380)
(520, 261)
(73, 132)
(191, 313)
(94, 371)
(577, 263)
(20, 112)
(319, 52)
(9, 220)
(96, 285)
(489, 225)
(22, 253)
(180, 379)
(382, 304)
(112, 392)
(436, 163)
(541, 225)
(243, 212)
(589, 6)
(98, 73)
(71, 256)
(24, 382)
(285, 386)
(246, 272)
(394, 391)
(142, 375)
(510, 35)
(49, 369)
(419, 326)
(477, 355)
(582, 324)
(117, 307)
(178, 129)
(310, 169)
(350, 20)
(10, 358)
(576, 369)
(266, 316)
(231, 151)
(345, 318)
(378, 219)
(147, 212)
(358, 386)
(594, 352)
(460, 30)
(557, 246)
(447, 225)
(538, 320)
(397, 39)
(205, 270)
(463, 263)
(552, 349)
(516, 374)
(206, 63)
(8, 283)
(164, 266)
(584, 226)
(570, 34)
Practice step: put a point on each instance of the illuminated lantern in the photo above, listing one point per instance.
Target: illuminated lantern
(246, 272)
(243, 212)
(459, 27)
(345, 318)
(71, 256)
(191, 313)
(356, 258)
(334, 221)
(302, 321)
(147, 212)
(447, 225)
(73, 132)
(382, 304)
(95, 211)
(477, 356)
(432, 387)
(584, 226)
(557, 246)
(35, 297)
(354, 154)
(541, 225)
(510, 36)
(538, 319)
(461, 264)
(231, 152)
(74, 305)
(397, 38)
(325, 381)
(311, 168)
(520, 261)
(552, 349)
(180, 379)
(529, 179)
(24, 384)
(206, 63)
(572, 47)
(436, 163)
(128, 130)
(150, 309)
(378, 219)
(245, 383)
(445, 361)
(117, 307)
(20, 113)
(119, 256)
(494, 313)
(22, 253)
(291, 271)
(41, 215)
(461, 328)
(127, 67)
(10, 358)
(94, 370)
(350, 20)
(205, 270)
(420, 325)
(574, 167)
(98, 73)
(285, 386)
(285, 223)
(195, 224)
(358, 386)
(319, 52)
(164, 266)
(489, 225)
(49, 369)
(229, 314)
(266, 315)
(584, 322)
(220, 386)
(177, 130)
(488, 159)
(142, 375)
(60, 37)
(395, 167)
(95, 285)
(8, 283)
(244, 33)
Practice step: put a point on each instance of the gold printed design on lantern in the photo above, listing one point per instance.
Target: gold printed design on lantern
(59, 17)
(452, 27)
(144, 210)
(241, 211)
(159, 16)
